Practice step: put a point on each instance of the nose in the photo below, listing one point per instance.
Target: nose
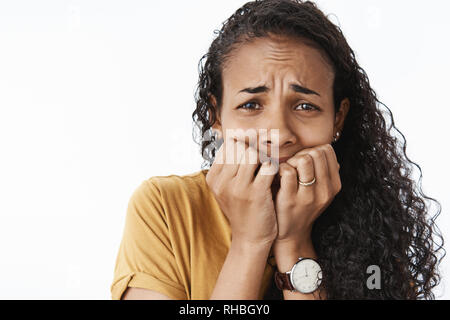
(279, 119)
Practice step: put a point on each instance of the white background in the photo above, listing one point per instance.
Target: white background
(97, 96)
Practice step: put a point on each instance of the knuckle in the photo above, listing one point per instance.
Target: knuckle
(252, 155)
(315, 152)
(339, 186)
(287, 170)
(254, 195)
(217, 190)
(305, 160)
(324, 198)
(308, 200)
(240, 151)
(238, 192)
(318, 153)
(329, 195)
(328, 148)
(242, 157)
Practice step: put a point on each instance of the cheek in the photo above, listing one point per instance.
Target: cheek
(231, 121)
(317, 133)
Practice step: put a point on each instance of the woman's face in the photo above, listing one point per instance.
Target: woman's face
(297, 98)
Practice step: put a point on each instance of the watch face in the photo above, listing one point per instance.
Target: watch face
(306, 276)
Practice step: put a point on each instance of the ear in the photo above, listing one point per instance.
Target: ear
(341, 115)
(217, 125)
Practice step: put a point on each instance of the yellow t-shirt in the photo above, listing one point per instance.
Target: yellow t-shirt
(175, 240)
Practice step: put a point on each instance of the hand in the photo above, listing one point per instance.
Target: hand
(297, 206)
(245, 198)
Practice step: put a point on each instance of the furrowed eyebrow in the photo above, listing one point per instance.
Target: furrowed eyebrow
(255, 90)
(294, 87)
(304, 90)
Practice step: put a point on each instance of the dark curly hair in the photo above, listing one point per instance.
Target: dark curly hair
(380, 216)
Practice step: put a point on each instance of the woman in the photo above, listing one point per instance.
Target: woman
(281, 83)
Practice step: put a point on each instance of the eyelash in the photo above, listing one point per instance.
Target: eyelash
(314, 108)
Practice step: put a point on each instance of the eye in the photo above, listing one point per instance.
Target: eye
(250, 106)
(244, 106)
(310, 107)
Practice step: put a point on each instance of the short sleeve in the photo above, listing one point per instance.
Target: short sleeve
(145, 258)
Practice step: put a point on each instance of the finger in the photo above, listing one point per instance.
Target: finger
(321, 171)
(219, 160)
(248, 165)
(320, 167)
(289, 182)
(222, 168)
(333, 166)
(266, 174)
(234, 152)
(334, 154)
(304, 164)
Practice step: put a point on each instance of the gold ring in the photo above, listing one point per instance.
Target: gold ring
(307, 183)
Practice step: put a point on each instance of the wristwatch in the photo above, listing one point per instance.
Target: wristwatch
(304, 277)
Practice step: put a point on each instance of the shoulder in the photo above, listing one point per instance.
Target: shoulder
(165, 191)
(173, 181)
(160, 202)
(170, 186)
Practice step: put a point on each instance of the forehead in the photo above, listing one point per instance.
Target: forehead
(263, 60)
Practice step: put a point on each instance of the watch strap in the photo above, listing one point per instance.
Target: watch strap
(283, 281)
